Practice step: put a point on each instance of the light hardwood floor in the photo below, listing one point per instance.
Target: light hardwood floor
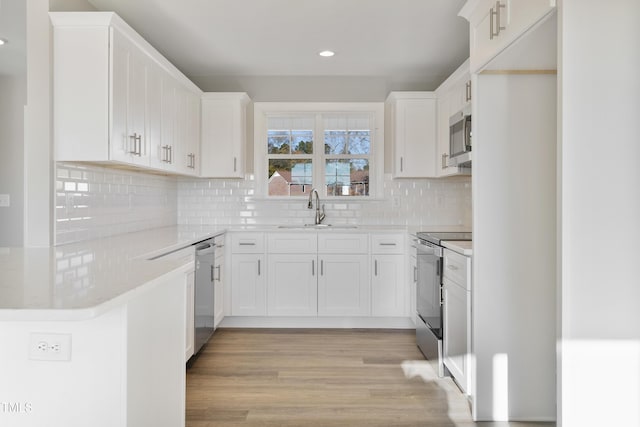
(320, 377)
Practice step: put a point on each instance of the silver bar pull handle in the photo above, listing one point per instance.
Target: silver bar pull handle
(492, 14)
(170, 154)
(444, 160)
(247, 243)
(497, 27)
(401, 164)
(313, 267)
(322, 267)
(387, 244)
(258, 267)
(212, 278)
(415, 273)
(375, 267)
(219, 274)
(235, 164)
(134, 137)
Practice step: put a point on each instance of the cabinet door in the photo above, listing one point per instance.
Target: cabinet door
(128, 92)
(388, 287)
(413, 284)
(456, 327)
(191, 155)
(120, 145)
(153, 133)
(136, 103)
(443, 135)
(292, 285)
(495, 25)
(248, 290)
(344, 288)
(415, 138)
(189, 322)
(219, 288)
(223, 135)
(178, 149)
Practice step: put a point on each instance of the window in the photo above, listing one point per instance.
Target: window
(336, 150)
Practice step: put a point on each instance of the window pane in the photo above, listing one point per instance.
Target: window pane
(347, 177)
(302, 141)
(335, 141)
(359, 142)
(290, 177)
(279, 141)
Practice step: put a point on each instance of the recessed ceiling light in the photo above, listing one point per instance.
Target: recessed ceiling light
(2, 41)
(327, 53)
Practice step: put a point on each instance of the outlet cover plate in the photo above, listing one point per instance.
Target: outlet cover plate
(49, 346)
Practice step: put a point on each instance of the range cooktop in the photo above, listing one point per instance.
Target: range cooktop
(437, 237)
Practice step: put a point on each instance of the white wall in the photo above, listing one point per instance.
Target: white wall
(514, 259)
(313, 88)
(38, 166)
(12, 100)
(600, 212)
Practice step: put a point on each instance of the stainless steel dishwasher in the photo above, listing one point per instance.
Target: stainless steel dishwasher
(204, 295)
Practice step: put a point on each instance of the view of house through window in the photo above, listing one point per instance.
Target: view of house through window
(342, 154)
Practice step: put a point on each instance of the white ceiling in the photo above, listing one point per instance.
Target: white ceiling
(405, 42)
(13, 58)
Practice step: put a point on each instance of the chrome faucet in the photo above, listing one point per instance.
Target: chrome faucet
(319, 216)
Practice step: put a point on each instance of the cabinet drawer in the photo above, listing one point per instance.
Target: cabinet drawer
(247, 243)
(292, 243)
(387, 243)
(457, 268)
(343, 243)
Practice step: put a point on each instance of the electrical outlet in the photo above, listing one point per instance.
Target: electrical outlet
(46, 346)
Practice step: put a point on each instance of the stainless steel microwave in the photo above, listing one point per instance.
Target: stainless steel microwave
(460, 138)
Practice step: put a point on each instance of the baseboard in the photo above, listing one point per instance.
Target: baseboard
(318, 322)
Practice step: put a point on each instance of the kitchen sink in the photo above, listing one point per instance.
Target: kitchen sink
(317, 226)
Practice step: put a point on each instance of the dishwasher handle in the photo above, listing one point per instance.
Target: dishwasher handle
(205, 249)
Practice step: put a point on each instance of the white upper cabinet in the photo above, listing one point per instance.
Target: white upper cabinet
(497, 24)
(114, 96)
(224, 134)
(410, 124)
(186, 149)
(454, 94)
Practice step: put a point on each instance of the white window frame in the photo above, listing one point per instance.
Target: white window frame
(376, 158)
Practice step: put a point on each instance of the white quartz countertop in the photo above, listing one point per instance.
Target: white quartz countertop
(463, 247)
(82, 280)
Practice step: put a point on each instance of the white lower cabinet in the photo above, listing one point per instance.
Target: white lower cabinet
(189, 324)
(292, 285)
(343, 285)
(319, 274)
(413, 279)
(248, 290)
(456, 312)
(388, 290)
(218, 280)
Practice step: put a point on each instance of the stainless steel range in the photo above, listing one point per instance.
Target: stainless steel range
(429, 293)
